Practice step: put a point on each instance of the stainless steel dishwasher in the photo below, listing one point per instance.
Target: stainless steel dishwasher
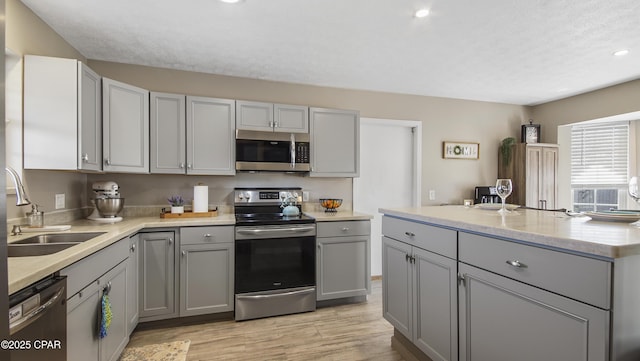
(38, 321)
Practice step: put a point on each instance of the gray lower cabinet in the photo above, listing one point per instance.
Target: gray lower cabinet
(419, 285)
(536, 303)
(132, 284)
(335, 142)
(104, 273)
(206, 270)
(420, 297)
(125, 124)
(343, 259)
(157, 275)
(503, 320)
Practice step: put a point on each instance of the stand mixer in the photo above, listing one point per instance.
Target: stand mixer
(107, 202)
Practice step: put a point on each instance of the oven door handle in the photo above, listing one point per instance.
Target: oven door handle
(274, 230)
(273, 295)
(36, 313)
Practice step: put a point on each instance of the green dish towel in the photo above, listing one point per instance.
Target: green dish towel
(105, 319)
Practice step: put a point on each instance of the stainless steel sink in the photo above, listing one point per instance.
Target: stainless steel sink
(49, 238)
(26, 250)
(48, 243)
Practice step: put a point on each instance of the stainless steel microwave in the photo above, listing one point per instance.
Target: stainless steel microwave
(272, 151)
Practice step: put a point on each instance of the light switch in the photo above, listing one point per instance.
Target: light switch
(60, 201)
(305, 196)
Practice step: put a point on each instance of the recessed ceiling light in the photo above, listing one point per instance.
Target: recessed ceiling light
(230, 1)
(622, 52)
(422, 13)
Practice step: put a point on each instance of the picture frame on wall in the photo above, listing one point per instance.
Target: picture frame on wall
(460, 150)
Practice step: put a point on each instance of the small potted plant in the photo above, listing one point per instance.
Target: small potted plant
(177, 204)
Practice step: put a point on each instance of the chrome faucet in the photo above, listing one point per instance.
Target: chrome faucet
(21, 194)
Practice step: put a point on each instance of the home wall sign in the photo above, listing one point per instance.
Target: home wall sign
(460, 150)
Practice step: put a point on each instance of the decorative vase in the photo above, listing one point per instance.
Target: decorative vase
(177, 209)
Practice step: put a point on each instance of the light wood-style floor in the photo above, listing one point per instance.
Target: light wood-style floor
(346, 332)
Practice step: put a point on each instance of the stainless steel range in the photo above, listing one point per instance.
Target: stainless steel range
(275, 259)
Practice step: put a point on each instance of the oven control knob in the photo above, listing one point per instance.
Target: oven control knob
(240, 196)
(247, 196)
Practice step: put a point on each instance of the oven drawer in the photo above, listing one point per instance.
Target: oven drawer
(581, 278)
(205, 235)
(343, 229)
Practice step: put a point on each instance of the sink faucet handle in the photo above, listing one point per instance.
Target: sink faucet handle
(16, 230)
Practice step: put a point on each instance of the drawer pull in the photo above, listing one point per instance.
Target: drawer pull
(410, 234)
(345, 229)
(516, 264)
(208, 235)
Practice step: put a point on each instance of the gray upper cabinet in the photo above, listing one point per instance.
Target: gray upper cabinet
(272, 117)
(168, 152)
(62, 115)
(335, 143)
(290, 118)
(192, 135)
(125, 119)
(210, 136)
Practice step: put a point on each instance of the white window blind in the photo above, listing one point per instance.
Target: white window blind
(600, 154)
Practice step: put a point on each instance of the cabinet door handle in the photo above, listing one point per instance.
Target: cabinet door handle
(107, 161)
(107, 289)
(170, 240)
(133, 248)
(410, 234)
(406, 257)
(188, 165)
(182, 165)
(184, 253)
(85, 157)
(516, 264)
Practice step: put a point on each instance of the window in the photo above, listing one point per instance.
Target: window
(599, 166)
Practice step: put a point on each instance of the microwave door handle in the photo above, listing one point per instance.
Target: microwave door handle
(293, 151)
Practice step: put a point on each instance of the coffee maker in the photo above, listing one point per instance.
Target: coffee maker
(486, 194)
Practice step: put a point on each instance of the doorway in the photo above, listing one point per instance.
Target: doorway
(390, 173)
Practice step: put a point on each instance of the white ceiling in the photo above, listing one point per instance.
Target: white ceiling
(520, 52)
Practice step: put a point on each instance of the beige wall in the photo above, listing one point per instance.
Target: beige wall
(443, 118)
(27, 34)
(619, 99)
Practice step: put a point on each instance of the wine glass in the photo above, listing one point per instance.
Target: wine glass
(503, 188)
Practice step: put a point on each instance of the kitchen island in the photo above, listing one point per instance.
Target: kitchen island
(462, 283)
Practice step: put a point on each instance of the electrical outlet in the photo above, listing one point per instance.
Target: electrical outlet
(60, 201)
(432, 195)
(305, 196)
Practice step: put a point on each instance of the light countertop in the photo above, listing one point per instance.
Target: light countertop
(608, 240)
(24, 271)
(340, 215)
